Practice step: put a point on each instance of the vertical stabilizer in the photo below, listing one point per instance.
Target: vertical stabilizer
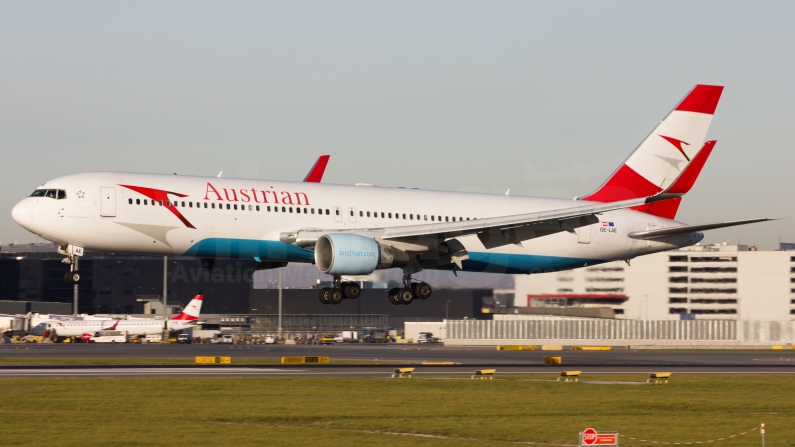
(666, 152)
(191, 311)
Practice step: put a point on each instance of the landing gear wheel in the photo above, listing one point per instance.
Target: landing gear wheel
(325, 295)
(352, 290)
(73, 277)
(405, 296)
(335, 296)
(393, 296)
(422, 290)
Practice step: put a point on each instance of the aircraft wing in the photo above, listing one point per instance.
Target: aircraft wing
(504, 230)
(493, 231)
(315, 175)
(670, 231)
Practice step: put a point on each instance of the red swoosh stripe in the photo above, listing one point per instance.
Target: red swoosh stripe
(160, 195)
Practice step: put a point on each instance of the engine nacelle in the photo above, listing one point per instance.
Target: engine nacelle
(352, 254)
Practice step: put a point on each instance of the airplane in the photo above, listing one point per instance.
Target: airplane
(350, 230)
(188, 318)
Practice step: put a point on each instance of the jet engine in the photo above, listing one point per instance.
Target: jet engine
(353, 254)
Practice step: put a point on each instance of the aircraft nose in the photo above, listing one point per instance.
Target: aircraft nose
(23, 213)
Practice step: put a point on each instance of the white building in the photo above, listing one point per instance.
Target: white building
(725, 282)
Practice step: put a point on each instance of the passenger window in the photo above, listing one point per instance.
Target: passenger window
(291, 209)
(183, 204)
(368, 214)
(257, 207)
(338, 212)
(129, 201)
(446, 219)
(313, 211)
(137, 201)
(361, 213)
(431, 218)
(213, 206)
(61, 194)
(227, 206)
(426, 217)
(411, 217)
(284, 210)
(390, 215)
(269, 208)
(50, 193)
(251, 208)
(160, 202)
(404, 216)
(235, 207)
(382, 215)
(145, 202)
(440, 218)
(205, 204)
(190, 204)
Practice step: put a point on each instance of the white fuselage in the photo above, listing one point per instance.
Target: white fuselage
(243, 219)
(131, 327)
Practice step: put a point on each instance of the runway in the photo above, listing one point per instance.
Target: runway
(466, 360)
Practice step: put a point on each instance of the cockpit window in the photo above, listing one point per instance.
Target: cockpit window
(39, 193)
(51, 193)
(61, 194)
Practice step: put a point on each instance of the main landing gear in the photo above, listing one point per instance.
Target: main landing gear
(339, 292)
(410, 291)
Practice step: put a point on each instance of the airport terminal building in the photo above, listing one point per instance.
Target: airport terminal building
(721, 282)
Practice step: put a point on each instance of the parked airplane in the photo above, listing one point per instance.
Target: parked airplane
(354, 230)
(188, 318)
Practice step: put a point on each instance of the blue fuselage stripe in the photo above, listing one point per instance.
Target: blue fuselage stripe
(477, 262)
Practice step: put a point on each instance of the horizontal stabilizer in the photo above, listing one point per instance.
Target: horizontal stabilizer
(670, 231)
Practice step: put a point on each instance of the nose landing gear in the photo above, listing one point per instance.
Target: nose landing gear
(73, 276)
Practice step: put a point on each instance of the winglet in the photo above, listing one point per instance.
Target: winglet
(315, 174)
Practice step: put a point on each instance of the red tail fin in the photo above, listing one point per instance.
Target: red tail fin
(682, 185)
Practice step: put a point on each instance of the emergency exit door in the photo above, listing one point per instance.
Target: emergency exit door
(107, 202)
(584, 234)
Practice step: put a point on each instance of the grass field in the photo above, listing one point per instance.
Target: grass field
(279, 411)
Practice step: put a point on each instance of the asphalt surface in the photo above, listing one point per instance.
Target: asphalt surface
(466, 360)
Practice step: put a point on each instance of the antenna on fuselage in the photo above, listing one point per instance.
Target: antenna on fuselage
(219, 174)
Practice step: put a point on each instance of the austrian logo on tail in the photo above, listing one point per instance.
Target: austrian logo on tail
(161, 195)
(677, 144)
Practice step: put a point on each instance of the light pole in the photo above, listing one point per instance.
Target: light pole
(280, 303)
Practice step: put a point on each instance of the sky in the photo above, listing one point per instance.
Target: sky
(544, 98)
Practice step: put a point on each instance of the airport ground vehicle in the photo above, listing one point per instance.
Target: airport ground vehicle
(184, 339)
(352, 230)
(427, 337)
(226, 339)
(347, 337)
(375, 336)
(327, 339)
(109, 337)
